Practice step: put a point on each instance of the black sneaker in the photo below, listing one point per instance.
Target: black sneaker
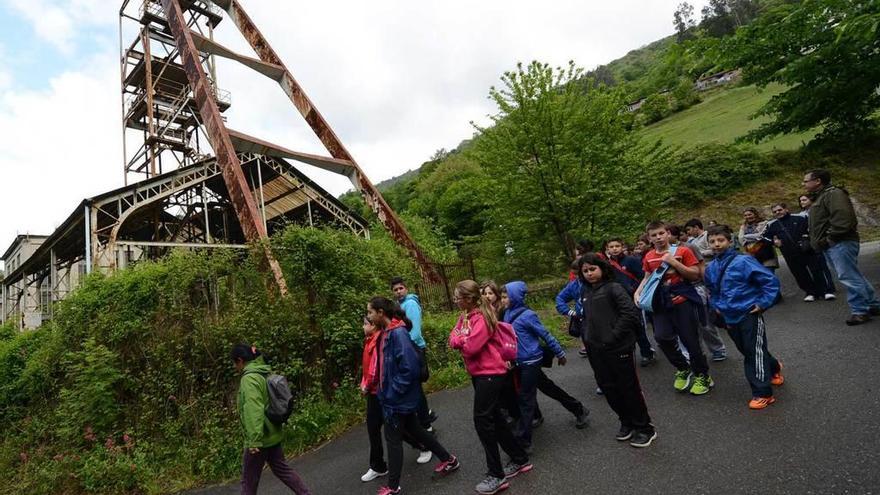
(643, 438)
(582, 420)
(582, 353)
(855, 319)
(537, 422)
(648, 360)
(624, 434)
(432, 416)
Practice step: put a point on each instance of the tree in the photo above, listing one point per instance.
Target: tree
(717, 20)
(826, 53)
(683, 20)
(684, 95)
(559, 159)
(655, 108)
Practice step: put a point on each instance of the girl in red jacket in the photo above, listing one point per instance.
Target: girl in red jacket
(475, 336)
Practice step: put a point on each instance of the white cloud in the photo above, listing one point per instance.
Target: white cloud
(59, 146)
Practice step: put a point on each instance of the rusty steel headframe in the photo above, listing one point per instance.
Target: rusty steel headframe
(328, 137)
(245, 206)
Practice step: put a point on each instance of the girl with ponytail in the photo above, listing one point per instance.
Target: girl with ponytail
(262, 437)
(398, 391)
(475, 337)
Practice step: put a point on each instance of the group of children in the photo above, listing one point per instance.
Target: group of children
(504, 346)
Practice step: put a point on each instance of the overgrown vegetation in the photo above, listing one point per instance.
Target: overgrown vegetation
(130, 390)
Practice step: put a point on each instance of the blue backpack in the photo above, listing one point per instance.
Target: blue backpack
(646, 299)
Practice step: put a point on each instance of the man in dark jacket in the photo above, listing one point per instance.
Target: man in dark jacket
(834, 233)
(790, 233)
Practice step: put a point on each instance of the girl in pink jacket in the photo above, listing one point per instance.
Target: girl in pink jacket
(475, 336)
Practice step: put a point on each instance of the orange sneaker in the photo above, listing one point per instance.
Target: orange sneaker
(777, 378)
(761, 402)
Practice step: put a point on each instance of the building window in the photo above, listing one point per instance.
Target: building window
(45, 296)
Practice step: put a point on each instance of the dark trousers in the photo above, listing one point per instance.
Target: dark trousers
(681, 322)
(617, 377)
(819, 265)
(531, 379)
(491, 427)
(252, 469)
(399, 426)
(423, 411)
(750, 337)
(645, 348)
(374, 432)
(808, 273)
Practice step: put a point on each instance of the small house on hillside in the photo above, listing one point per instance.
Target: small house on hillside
(634, 106)
(717, 79)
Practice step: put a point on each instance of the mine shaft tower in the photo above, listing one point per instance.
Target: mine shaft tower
(172, 104)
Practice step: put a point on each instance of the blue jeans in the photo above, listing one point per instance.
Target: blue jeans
(844, 257)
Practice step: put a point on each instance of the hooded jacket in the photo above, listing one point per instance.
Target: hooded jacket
(253, 398)
(528, 327)
(413, 309)
(746, 283)
(479, 347)
(571, 292)
(399, 371)
(832, 218)
(370, 364)
(612, 317)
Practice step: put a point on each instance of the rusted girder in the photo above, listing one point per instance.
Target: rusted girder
(325, 133)
(245, 207)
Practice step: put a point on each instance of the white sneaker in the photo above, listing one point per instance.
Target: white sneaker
(830, 297)
(424, 457)
(809, 299)
(370, 475)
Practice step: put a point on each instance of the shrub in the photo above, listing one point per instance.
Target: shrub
(130, 390)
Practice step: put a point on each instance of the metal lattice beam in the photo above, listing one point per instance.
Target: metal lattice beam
(242, 201)
(325, 133)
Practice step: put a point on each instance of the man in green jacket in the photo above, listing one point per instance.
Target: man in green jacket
(262, 438)
(834, 233)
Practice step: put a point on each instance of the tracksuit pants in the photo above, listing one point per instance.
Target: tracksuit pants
(252, 470)
(809, 274)
(491, 427)
(399, 426)
(681, 322)
(750, 337)
(531, 379)
(616, 375)
(645, 348)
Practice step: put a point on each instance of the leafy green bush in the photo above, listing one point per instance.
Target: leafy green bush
(130, 388)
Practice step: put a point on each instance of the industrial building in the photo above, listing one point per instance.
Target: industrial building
(190, 182)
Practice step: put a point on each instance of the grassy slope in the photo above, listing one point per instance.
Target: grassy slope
(722, 117)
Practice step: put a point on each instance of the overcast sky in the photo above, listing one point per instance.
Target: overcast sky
(396, 79)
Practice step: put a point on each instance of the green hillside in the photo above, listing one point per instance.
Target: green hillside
(723, 116)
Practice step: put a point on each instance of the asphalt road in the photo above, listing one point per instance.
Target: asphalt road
(821, 437)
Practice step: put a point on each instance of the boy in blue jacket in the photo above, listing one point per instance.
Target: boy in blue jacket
(741, 290)
(529, 354)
